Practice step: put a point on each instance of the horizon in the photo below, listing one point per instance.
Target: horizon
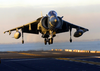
(92, 40)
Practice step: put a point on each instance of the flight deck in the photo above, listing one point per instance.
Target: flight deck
(49, 61)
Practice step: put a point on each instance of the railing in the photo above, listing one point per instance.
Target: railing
(70, 50)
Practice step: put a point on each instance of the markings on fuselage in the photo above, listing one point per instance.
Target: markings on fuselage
(25, 53)
(81, 61)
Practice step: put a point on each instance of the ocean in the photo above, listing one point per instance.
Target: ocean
(80, 45)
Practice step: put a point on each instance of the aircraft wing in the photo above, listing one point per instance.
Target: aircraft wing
(66, 25)
(28, 28)
(75, 26)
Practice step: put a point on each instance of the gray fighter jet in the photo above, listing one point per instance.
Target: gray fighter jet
(48, 26)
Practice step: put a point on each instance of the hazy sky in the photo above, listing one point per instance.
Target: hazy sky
(14, 13)
(60, 3)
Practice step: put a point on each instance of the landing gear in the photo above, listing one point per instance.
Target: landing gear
(22, 41)
(22, 38)
(70, 34)
(70, 40)
(49, 37)
(45, 41)
(50, 41)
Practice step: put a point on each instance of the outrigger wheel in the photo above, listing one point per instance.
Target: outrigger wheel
(22, 41)
(70, 40)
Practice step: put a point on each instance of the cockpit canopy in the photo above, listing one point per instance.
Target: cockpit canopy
(52, 13)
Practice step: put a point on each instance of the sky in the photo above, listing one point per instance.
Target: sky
(14, 13)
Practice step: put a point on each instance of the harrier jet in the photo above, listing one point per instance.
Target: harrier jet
(48, 26)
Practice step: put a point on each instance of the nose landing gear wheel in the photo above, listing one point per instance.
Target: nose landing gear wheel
(50, 41)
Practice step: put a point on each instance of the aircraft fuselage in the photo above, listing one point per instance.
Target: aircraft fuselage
(50, 24)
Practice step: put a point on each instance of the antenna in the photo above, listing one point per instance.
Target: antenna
(41, 14)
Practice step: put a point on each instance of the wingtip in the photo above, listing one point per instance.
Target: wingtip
(87, 29)
(4, 32)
